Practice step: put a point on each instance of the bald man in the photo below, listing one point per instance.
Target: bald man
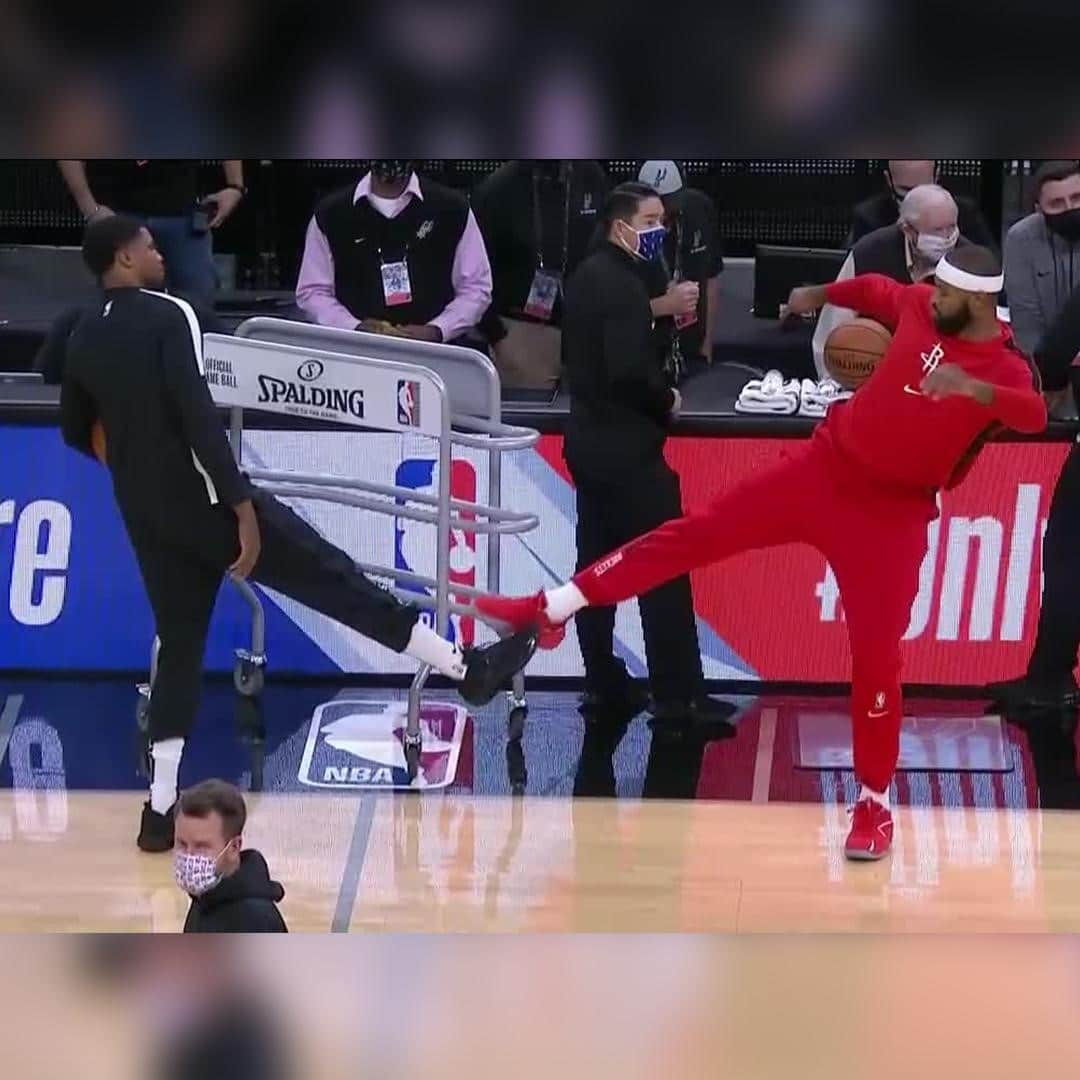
(901, 176)
(862, 491)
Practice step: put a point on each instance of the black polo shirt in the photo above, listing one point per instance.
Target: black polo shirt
(692, 252)
(566, 197)
(168, 188)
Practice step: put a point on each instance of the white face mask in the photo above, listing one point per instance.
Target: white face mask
(933, 247)
(197, 874)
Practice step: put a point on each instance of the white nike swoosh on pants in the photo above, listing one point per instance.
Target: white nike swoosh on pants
(909, 390)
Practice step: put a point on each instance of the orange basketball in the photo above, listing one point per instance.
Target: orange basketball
(97, 441)
(853, 350)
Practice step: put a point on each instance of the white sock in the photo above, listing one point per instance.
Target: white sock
(427, 647)
(166, 755)
(565, 601)
(880, 797)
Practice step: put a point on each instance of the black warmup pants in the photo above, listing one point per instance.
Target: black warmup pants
(182, 581)
(1058, 638)
(608, 515)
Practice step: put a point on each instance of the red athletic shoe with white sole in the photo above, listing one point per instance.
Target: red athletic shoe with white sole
(871, 832)
(523, 613)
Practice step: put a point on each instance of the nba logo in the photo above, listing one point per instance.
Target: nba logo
(359, 745)
(414, 543)
(408, 403)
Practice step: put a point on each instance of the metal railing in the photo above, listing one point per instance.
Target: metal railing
(448, 393)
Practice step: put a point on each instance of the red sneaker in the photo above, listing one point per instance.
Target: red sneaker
(871, 832)
(523, 613)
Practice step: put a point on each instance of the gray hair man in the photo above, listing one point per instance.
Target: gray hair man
(908, 252)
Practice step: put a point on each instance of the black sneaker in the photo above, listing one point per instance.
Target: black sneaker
(156, 830)
(1035, 693)
(631, 698)
(702, 708)
(489, 668)
(706, 715)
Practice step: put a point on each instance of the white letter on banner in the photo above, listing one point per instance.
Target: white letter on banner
(30, 561)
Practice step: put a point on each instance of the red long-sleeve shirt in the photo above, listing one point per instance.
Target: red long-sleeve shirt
(899, 433)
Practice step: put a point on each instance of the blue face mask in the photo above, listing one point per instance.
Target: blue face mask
(650, 242)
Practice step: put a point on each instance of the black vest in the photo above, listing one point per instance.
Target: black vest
(883, 252)
(425, 234)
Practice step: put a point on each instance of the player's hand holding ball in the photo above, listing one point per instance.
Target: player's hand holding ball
(949, 380)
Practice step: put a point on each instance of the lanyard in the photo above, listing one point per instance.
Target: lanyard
(538, 223)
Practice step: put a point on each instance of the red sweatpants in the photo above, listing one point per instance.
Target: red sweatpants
(872, 534)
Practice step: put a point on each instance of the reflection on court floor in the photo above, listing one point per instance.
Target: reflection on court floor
(610, 825)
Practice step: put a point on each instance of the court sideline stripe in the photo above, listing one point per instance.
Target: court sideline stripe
(8, 716)
(763, 763)
(354, 864)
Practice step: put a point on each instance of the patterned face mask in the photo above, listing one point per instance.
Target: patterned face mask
(197, 874)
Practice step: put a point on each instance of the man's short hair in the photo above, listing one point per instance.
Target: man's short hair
(974, 259)
(623, 202)
(215, 797)
(103, 239)
(1049, 171)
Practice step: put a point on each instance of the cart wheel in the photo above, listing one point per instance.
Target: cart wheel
(515, 724)
(142, 712)
(144, 765)
(248, 677)
(516, 771)
(412, 760)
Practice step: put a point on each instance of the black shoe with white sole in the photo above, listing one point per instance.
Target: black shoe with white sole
(490, 668)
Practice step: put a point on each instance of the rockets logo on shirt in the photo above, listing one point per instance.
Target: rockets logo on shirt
(930, 363)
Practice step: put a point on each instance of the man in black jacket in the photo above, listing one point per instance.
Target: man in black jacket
(1049, 682)
(620, 408)
(230, 888)
(134, 366)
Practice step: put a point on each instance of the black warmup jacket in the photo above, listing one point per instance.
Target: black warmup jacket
(135, 363)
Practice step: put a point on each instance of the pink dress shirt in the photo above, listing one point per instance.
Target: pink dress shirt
(470, 273)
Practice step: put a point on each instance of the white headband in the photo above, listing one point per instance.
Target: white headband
(961, 279)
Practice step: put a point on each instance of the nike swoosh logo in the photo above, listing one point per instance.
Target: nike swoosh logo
(878, 715)
(908, 390)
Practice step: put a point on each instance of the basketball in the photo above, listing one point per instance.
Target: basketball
(97, 441)
(853, 351)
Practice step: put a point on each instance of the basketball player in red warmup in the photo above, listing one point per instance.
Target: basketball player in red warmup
(862, 491)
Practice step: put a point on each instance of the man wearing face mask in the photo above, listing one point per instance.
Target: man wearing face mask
(902, 176)
(684, 282)
(620, 409)
(230, 886)
(907, 252)
(1042, 254)
(395, 254)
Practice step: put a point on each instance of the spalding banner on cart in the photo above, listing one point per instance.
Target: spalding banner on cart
(321, 386)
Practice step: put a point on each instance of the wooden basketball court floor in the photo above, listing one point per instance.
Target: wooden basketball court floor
(609, 826)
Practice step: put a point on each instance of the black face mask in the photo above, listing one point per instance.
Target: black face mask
(1066, 224)
(391, 170)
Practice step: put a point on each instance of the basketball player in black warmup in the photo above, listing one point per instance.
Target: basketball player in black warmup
(134, 362)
